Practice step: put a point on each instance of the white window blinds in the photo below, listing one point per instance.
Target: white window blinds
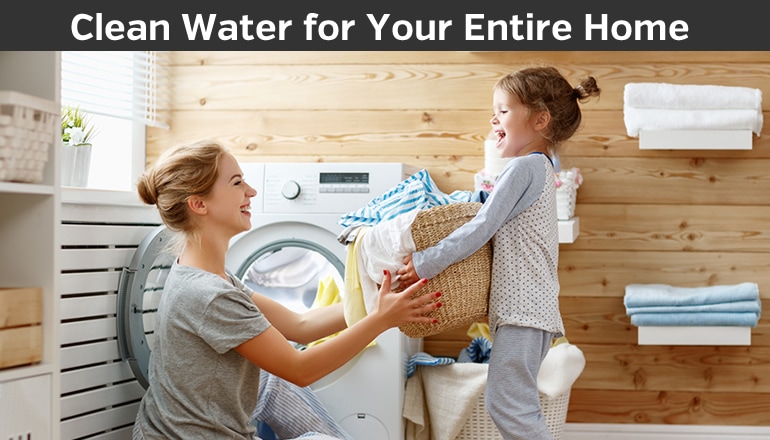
(127, 85)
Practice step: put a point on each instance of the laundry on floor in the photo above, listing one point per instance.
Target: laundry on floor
(663, 106)
(721, 305)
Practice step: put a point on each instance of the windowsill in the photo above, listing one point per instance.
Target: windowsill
(93, 196)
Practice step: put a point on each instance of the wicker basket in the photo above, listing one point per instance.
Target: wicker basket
(28, 128)
(464, 286)
(480, 426)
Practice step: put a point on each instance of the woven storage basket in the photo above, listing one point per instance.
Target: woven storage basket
(464, 286)
(28, 128)
(480, 426)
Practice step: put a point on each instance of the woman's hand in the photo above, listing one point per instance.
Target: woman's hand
(400, 308)
(407, 274)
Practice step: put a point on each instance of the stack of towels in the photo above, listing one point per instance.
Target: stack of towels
(662, 106)
(664, 305)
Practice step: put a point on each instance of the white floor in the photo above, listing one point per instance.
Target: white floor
(590, 431)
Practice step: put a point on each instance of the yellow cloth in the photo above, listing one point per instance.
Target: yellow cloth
(328, 294)
(479, 329)
(355, 309)
(482, 329)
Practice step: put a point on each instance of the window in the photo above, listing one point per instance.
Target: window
(123, 92)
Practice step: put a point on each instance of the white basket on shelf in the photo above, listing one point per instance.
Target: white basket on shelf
(28, 127)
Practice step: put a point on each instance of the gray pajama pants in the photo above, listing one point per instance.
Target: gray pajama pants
(512, 397)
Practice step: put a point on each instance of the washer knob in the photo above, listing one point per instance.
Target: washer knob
(290, 190)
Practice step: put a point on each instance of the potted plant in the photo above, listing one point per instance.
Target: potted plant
(77, 131)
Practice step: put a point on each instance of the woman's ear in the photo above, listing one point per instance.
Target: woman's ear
(197, 205)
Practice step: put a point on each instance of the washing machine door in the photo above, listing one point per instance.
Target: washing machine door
(289, 263)
(139, 290)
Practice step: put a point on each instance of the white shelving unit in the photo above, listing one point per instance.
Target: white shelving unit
(29, 244)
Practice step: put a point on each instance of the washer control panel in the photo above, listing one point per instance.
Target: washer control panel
(321, 187)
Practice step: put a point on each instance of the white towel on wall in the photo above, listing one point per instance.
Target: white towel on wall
(638, 119)
(689, 96)
(662, 106)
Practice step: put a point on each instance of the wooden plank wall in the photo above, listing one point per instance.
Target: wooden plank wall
(686, 218)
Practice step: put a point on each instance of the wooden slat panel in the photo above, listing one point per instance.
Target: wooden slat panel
(88, 306)
(688, 218)
(88, 282)
(451, 135)
(675, 368)
(199, 58)
(103, 235)
(100, 398)
(96, 423)
(89, 354)
(86, 331)
(607, 273)
(678, 181)
(90, 377)
(688, 228)
(114, 434)
(105, 258)
(417, 86)
(661, 407)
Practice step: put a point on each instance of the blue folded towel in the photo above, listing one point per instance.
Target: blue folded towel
(727, 307)
(695, 319)
(642, 295)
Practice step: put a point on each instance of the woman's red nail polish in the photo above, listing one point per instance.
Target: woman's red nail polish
(438, 294)
(435, 321)
(438, 305)
(385, 271)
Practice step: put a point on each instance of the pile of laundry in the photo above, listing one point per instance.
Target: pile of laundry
(663, 106)
(664, 305)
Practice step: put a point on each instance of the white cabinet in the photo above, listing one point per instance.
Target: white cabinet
(29, 248)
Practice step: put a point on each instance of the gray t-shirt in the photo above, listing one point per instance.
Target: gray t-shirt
(200, 388)
(520, 218)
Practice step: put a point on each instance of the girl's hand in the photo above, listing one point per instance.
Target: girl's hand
(400, 308)
(406, 274)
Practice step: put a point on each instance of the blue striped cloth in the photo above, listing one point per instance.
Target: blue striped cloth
(478, 351)
(418, 191)
(422, 358)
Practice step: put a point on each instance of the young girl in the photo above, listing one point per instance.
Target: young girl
(535, 110)
(213, 333)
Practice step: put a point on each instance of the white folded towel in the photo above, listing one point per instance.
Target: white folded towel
(662, 106)
(688, 96)
(640, 119)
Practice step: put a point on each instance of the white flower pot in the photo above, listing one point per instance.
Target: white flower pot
(565, 204)
(75, 165)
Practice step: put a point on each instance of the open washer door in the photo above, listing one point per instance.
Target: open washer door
(139, 290)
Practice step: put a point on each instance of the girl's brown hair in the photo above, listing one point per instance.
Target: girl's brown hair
(545, 89)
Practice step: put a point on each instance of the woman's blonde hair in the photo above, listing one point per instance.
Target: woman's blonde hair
(180, 173)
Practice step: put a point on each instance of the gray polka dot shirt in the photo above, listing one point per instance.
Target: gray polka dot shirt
(520, 218)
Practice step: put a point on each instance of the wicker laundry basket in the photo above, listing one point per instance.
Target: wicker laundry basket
(464, 286)
(480, 426)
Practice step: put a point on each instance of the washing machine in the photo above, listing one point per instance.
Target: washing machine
(292, 249)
